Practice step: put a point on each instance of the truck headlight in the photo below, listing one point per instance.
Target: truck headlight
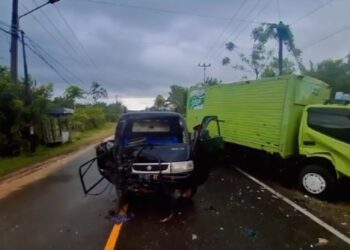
(181, 167)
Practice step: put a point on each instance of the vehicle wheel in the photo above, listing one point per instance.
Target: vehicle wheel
(317, 181)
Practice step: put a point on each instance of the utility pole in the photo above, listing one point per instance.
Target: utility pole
(204, 66)
(280, 47)
(14, 40)
(26, 78)
(14, 35)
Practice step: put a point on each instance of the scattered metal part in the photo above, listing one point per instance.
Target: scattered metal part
(171, 215)
(321, 242)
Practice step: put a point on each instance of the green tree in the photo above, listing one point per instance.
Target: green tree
(11, 114)
(73, 93)
(256, 61)
(97, 91)
(114, 111)
(334, 72)
(283, 34)
(159, 102)
(177, 97)
(272, 69)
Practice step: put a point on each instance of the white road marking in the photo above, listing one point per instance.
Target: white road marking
(299, 208)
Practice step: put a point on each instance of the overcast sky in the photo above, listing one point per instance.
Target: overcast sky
(137, 49)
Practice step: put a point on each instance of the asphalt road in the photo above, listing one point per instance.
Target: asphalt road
(228, 212)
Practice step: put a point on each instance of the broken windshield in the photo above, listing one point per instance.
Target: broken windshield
(163, 131)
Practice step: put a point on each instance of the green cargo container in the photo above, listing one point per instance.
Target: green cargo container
(263, 114)
(287, 116)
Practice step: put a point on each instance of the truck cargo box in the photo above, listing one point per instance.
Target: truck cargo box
(263, 114)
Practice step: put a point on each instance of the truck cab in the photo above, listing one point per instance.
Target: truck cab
(324, 142)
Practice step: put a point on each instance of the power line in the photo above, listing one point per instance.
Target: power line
(74, 35)
(168, 11)
(256, 15)
(279, 9)
(6, 31)
(226, 27)
(312, 12)
(5, 24)
(38, 47)
(50, 34)
(326, 37)
(217, 53)
(60, 34)
(47, 63)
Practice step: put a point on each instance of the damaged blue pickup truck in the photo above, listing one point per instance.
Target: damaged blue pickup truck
(153, 151)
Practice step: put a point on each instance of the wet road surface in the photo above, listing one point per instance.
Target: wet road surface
(228, 212)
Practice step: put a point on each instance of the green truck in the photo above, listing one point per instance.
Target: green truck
(287, 116)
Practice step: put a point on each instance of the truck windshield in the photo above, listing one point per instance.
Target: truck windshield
(162, 131)
(334, 122)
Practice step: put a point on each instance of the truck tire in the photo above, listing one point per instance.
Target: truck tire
(317, 181)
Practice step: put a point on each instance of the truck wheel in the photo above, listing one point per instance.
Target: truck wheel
(317, 181)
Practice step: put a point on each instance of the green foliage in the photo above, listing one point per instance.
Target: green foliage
(114, 111)
(73, 93)
(11, 112)
(178, 97)
(159, 102)
(210, 81)
(334, 72)
(61, 101)
(275, 31)
(272, 69)
(88, 117)
(256, 61)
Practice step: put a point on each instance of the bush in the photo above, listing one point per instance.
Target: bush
(88, 117)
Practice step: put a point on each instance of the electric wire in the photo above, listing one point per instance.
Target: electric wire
(74, 35)
(312, 11)
(279, 9)
(169, 11)
(38, 47)
(326, 37)
(47, 63)
(60, 34)
(220, 50)
(51, 35)
(225, 28)
(6, 31)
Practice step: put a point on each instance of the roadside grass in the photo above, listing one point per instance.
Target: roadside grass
(79, 140)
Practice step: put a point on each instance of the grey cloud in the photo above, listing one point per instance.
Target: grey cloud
(140, 53)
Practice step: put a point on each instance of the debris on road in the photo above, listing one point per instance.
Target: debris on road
(250, 233)
(167, 218)
(194, 236)
(321, 242)
(221, 229)
(120, 218)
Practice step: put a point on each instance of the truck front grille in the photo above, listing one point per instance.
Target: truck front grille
(150, 167)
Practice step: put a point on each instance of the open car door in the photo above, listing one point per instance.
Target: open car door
(207, 144)
(101, 167)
